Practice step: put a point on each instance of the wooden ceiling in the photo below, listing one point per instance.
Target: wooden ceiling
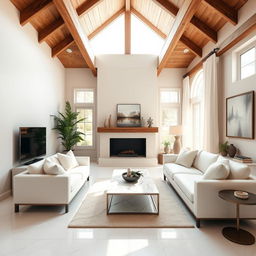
(70, 24)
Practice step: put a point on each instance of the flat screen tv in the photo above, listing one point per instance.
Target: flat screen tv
(32, 142)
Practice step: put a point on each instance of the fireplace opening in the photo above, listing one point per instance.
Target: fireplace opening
(128, 147)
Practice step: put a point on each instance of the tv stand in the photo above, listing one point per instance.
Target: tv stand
(33, 161)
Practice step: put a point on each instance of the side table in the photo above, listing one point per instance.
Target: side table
(162, 156)
(236, 234)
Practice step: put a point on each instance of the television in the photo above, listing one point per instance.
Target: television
(32, 142)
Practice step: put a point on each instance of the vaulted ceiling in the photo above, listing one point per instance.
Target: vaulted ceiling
(184, 24)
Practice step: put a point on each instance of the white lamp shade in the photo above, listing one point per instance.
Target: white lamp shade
(176, 130)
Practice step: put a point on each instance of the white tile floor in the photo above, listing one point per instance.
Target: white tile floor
(42, 231)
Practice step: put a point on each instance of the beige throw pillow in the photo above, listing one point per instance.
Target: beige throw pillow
(52, 168)
(68, 161)
(36, 168)
(186, 158)
(217, 171)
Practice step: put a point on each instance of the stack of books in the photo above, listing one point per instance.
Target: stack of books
(243, 159)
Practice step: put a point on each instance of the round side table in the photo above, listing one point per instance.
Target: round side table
(236, 234)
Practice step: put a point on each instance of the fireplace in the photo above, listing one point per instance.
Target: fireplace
(127, 147)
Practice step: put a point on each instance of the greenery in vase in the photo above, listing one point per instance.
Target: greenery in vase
(66, 125)
(167, 143)
(223, 147)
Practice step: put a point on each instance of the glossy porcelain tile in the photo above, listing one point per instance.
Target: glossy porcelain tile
(42, 231)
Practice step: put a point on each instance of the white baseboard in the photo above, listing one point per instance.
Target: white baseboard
(5, 194)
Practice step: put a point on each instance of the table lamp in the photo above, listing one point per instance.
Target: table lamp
(177, 132)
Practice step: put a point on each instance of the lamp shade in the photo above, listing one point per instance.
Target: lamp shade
(176, 130)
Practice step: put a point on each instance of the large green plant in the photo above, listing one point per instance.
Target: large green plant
(66, 125)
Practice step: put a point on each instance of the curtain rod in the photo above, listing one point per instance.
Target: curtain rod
(197, 66)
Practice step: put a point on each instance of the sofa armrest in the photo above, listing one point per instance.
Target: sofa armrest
(208, 204)
(170, 158)
(41, 189)
(83, 160)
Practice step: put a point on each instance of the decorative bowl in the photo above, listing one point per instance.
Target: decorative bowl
(241, 194)
(133, 178)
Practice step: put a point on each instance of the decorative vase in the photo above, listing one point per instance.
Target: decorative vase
(166, 149)
(106, 123)
(176, 145)
(142, 122)
(232, 150)
(109, 121)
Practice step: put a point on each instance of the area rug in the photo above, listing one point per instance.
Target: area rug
(92, 212)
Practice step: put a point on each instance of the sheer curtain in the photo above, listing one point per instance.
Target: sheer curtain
(186, 115)
(210, 106)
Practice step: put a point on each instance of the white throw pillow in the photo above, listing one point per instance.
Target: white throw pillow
(217, 171)
(186, 158)
(52, 168)
(238, 171)
(68, 161)
(36, 168)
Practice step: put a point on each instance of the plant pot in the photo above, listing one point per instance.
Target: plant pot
(224, 153)
(166, 149)
(232, 150)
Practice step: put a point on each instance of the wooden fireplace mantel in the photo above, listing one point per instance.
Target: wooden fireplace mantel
(128, 129)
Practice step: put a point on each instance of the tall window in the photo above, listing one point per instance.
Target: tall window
(170, 108)
(84, 100)
(197, 113)
(247, 62)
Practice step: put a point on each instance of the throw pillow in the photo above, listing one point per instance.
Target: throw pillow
(36, 168)
(238, 171)
(217, 171)
(52, 168)
(68, 161)
(186, 158)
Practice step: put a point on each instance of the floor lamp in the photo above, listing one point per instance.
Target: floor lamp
(176, 131)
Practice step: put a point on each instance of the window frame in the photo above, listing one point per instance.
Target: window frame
(238, 57)
(91, 106)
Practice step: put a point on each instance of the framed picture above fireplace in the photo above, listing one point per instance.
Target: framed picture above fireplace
(128, 115)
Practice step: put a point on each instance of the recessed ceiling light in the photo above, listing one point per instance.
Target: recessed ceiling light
(186, 50)
(69, 50)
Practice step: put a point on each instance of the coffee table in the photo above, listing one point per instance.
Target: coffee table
(123, 197)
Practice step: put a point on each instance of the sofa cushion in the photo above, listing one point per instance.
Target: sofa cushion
(171, 169)
(68, 161)
(217, 171)
(186, 158)
(204, 159)
(83, 171)
(36, 168)
(186, 183)
(238, 171)
(53, 168)
(75, 180)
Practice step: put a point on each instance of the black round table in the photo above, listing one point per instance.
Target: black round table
(236, 234)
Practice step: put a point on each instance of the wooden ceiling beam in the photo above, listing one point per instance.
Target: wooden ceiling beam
(228, 13)
(127, 27)
(62, 46)
(87, 6)
(50, 29)
(106, 23)
(33, 9)
(70, 17)
(186, 41)
(183, 18)
(192, 46)
(201, 26)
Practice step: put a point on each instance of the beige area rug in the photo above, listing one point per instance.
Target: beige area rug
(92, 212)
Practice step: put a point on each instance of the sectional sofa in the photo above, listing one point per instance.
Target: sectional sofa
(200, 195)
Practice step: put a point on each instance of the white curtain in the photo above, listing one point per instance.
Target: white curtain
(210, 106)
(186, 115)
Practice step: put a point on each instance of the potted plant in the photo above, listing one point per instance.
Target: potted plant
(223, 147)
(166, 146)
(66, 125)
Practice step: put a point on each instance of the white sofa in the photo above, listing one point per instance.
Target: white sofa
(201, 196)
(44, 189)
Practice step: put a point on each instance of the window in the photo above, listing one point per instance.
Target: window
(196, 103)
(84, 100)
(248, 62)
(169, 112)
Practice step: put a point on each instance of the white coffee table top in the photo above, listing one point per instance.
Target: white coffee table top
(144, 186)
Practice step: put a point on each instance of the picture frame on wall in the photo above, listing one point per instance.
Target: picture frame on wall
(128, 115)
(240, 116)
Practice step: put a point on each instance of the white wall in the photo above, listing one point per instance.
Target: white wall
(81, 78)
(31, 87)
